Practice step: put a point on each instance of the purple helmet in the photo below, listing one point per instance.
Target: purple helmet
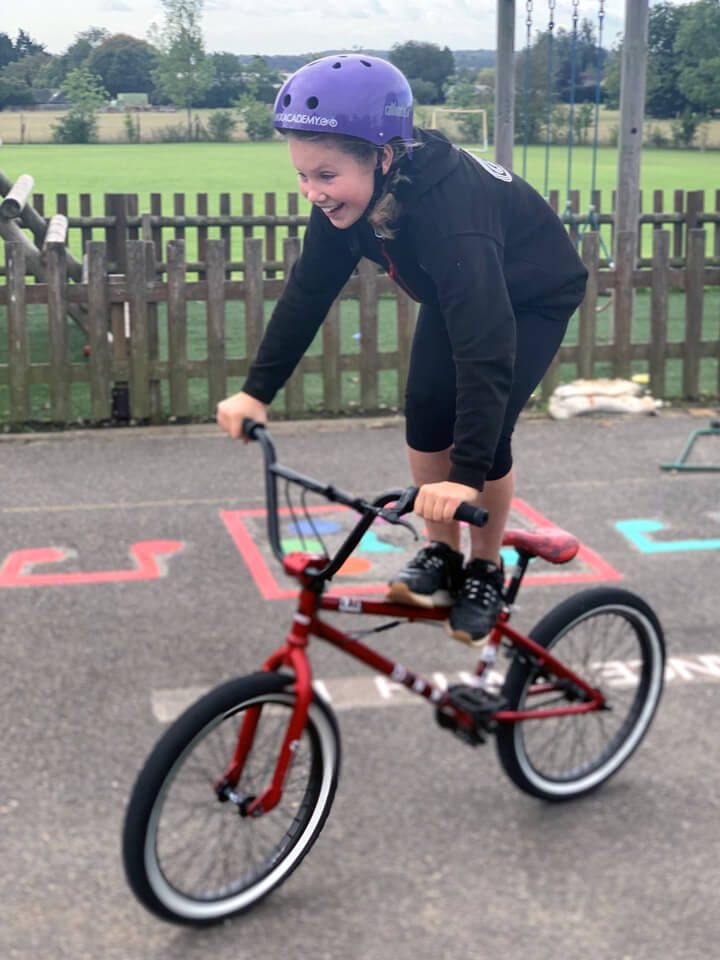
(350, 93)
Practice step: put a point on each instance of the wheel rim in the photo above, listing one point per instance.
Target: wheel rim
(616, 649)
(203, 859)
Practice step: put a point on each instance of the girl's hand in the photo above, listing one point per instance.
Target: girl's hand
(240, 406)
(439, 501)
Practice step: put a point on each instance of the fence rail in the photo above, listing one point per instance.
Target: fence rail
(171, 334)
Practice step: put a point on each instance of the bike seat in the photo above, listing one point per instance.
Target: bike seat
(550, 543)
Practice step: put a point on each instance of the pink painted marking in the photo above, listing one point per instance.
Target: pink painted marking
(596, 568)
(149, 559)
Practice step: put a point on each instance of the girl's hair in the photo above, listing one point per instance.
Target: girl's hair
(386, 210)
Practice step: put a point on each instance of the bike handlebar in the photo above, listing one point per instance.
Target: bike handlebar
(403, 501)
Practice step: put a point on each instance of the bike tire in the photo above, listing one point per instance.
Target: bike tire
(192, 859)
(596, 632)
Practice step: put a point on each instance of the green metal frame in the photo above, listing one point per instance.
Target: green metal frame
(681, 463)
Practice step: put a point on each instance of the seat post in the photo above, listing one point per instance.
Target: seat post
(516, 577)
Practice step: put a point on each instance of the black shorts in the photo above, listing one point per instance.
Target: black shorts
(431, 387)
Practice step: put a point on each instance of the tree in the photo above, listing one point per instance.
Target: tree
(7, 50)
(124, 64)
(19, 78)
(25, 45)
(696, 49)
(663, 98)
(227, 83)
(184, 72)
(260, 82)
(78, 52)
(257, 118)
(86, 94)
(424, 61)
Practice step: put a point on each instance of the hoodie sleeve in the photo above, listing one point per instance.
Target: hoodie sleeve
(467, 271)
(317, 277)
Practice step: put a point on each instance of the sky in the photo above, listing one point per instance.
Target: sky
(289, 26)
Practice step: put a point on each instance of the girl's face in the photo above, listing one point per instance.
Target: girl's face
(339, 183)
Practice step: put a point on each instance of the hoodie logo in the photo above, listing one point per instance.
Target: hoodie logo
(494, 169)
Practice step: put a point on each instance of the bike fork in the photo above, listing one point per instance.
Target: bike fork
(292, 654)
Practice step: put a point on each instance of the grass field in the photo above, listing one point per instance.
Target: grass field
(257, 168)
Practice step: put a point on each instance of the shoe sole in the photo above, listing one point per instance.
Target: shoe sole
(464, 637)
(399, 592)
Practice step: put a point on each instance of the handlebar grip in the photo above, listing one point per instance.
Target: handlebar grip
(250, 427)
(475, 516)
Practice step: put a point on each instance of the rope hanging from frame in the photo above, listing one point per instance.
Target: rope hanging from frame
(526, 81)
(549, 97)
(591, 221)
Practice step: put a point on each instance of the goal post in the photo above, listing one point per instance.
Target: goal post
(469, 124)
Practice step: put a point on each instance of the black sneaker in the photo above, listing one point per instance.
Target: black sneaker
(474, 613)
(431, 579)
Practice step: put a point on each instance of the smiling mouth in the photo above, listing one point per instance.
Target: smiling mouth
(329, 211)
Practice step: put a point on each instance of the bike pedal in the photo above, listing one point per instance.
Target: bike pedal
(479, 703)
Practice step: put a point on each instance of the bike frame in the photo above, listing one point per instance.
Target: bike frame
(307, 623)
(314, 572)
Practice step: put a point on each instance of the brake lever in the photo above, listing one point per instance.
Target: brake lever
(402, 506)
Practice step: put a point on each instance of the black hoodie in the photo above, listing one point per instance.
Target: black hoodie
(473, 240)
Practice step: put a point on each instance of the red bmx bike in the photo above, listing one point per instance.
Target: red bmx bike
(238, 788)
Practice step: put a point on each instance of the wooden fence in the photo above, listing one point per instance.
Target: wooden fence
(149, 298)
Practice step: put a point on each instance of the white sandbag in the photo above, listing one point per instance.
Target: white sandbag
(600, 396)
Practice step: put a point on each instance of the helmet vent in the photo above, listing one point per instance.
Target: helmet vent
(365, 63)
(286, 100)
(312, 103)
(336, 65)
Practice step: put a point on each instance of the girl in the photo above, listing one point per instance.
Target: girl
(497, 279)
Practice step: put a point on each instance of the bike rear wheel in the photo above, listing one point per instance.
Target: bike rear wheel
(613, 640)
(192, 858)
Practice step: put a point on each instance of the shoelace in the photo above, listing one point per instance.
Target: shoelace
(424, 560)
(481, 591)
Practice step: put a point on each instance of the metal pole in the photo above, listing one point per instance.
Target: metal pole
(505, 84)
(632, 110)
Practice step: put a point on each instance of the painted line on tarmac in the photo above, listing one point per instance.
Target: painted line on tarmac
(377, 690)
(137, 505)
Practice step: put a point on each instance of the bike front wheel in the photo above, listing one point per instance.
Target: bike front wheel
(613, 640)
(194, 858)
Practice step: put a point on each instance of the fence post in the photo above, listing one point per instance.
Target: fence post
(623, 303)
(694, 290)
(116, 235)
(254, 292)
(202, 232)
(587, 318)
(679, 225)
(98, 329)
(270, 232)
(18, 351)
(215, 263)
(331, 368)
(139, 378)
(368, 277)
(405, 331)
(153, 342)
(295, 387)
(59, 335)
(177, 329)
(660, 287)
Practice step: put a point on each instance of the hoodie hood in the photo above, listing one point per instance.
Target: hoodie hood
(429, 163)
